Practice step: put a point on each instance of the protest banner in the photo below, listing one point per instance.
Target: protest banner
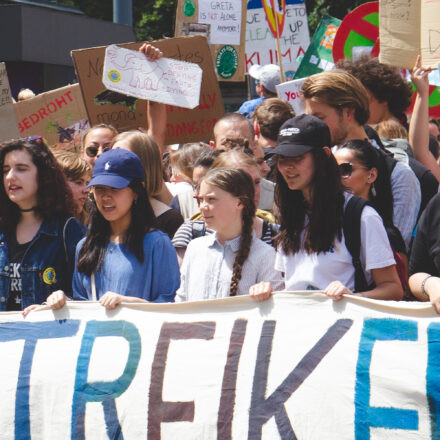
(359, 30)
(261, 33)
(8, 122)
(59, 116)
(126, 113)
(223, 23)
(165, 80)
(407, 29)
(319, 55)
(290, 91)
(296, 366)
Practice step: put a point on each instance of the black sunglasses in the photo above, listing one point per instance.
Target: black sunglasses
(92, 151)
(345, 169)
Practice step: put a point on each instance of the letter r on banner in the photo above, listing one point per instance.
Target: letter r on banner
(367, 416)
(104, 392)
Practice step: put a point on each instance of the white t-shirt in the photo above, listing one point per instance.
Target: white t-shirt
(316, 271)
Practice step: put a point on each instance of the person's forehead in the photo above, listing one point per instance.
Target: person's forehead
(233, 129)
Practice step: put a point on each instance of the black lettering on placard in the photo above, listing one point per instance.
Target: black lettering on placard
(95, 67)
(158, 410)
(229, 384)
(262, 408)
(190, 57)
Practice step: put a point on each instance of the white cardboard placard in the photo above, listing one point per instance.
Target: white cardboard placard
(290, 91)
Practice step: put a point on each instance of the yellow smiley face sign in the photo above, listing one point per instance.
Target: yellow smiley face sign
(49, 275)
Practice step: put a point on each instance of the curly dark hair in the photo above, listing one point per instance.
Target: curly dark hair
(382, 80)
(54, 197)
(325, 213)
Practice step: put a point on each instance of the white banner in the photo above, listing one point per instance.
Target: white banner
(298, 366)
(261, 33)
(165, 80)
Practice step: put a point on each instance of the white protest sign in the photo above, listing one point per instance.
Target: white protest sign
(296, 366)
(224, 18)
(165, 80)
(290, 91)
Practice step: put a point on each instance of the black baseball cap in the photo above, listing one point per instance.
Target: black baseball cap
(301, 134)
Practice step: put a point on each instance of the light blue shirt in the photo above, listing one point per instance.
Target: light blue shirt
(156, 279)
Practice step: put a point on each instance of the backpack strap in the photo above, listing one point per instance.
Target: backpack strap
(64, 238)
(352, 235)
(198, 229)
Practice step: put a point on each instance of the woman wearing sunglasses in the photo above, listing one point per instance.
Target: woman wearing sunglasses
(38, 234)
(311, 201)
(97, 140)
(365, 174)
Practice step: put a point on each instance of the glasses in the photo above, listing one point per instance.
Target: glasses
(92, 151)
(345, 169)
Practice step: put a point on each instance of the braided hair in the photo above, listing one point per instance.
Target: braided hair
(238, 183)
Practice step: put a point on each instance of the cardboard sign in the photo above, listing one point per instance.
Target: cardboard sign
(319, 55)
(293, 30)
(165, 80)
(290, 91)
(407, 29)
(126, 113)
(8, 122)
(298, 366)
(59, 116)
(359, 28)
(223, 23)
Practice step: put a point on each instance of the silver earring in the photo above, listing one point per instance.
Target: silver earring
(373, 190)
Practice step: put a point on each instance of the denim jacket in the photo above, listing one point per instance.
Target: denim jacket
(47, 263)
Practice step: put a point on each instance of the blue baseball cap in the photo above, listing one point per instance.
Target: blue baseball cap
(116, 169)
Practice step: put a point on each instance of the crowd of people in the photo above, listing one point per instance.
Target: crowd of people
(342, 199)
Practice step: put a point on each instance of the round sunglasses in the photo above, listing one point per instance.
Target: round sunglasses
(92, 151)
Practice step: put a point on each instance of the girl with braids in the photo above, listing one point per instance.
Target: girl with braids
(227, 262)
(123, 258)
(311, 245)
(38, 233)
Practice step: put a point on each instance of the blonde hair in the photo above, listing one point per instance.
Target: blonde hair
(73, 165)
(25, 94)
(184, 158)
(149, 154)
(391, 129)
(235, 159)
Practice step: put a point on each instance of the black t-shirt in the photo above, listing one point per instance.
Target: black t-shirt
(425, 253)
(16, 253)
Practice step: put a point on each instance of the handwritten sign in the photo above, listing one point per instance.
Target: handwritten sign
(126, 113)
(165, 80)
(409, 28)
(58, 115)
(8, 122)
(290, 91)
(260, 41)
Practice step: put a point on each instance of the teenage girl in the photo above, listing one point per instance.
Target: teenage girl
(311, 200)
(123, 257)
(38, 233)
(229, 261)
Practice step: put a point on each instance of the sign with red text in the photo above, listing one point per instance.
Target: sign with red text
(59, 116)
(8, 122)
(223, 24)
(126, 112)
(298, 366)
(290, 91)
(261, 33)
(407, 29)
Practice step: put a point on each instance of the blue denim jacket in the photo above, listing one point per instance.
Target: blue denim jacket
(47, 263)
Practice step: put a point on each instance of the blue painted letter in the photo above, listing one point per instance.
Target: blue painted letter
(432, 378)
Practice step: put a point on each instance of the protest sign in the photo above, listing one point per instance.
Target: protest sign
(8, 122)
(296, 366)
(59, 116)
(261, 33)
(359, 28)
(165, 80)
(407, 29)
(290, 91)
(125, 113)
(319, 55)
(223, 23)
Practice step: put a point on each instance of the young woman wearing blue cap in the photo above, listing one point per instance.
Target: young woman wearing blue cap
(123, 257)
(310, 196)
(38, 233)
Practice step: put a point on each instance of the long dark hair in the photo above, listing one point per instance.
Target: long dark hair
(239, 184)
(371, 157)
(93, 250)
(322, 221)
(54, 197)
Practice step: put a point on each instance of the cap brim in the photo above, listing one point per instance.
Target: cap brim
(291, 150)
(110, 180)
(255, 71)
